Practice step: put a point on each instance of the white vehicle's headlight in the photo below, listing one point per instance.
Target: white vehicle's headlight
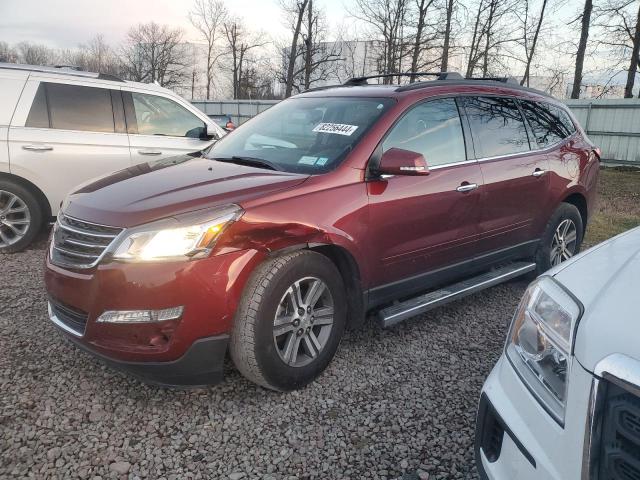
(186, 236)
(540, 342)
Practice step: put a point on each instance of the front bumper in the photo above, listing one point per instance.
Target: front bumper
(517, 438)
(186, 351)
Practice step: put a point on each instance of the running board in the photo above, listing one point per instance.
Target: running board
(394, 314)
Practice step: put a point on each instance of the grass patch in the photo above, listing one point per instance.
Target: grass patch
(618, 207)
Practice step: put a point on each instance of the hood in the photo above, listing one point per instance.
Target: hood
(150, 191)
(606, 279)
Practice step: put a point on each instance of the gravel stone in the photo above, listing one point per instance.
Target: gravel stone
(397, 403)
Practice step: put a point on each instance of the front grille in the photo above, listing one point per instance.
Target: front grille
(620, 440)
(80, 244)
(73, 318)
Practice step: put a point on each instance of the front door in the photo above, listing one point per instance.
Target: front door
(421, 224)
(160, 127)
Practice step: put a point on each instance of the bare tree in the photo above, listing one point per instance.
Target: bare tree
(530, 47)
(444, 64)
(208, 17)
(7, 53)
(34, 54)
(582, 48)
(239, 43)
(421, 42)
(155, 53)
(387, 19)
(296, 9)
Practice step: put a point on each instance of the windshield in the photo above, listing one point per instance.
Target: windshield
(303, 135)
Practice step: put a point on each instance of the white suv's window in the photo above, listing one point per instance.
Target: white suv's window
(161, 116)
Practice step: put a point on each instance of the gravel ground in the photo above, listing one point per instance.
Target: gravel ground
(396, 403)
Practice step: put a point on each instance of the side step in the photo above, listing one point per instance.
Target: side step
(414, 306)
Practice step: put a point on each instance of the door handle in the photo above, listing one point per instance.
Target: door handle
(538, 172)
(467, 187)
(37, 148)
(149, 152)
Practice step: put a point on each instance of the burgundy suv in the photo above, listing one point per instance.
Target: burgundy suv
(332, 204)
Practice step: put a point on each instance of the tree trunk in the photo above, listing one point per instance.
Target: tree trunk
(475, 44)
(308, 47)
(293, 53)
(582, 48)
(633, 66)
(532, 52)
(487, 47)
(447, 35)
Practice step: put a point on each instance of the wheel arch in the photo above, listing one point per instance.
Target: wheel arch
(40, 196)
(578, 200)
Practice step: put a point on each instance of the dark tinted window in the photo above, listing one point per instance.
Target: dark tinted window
(161, 116)
(496, 125)
(73, 107)
(38, 115)
(550, 124)
(432, 129)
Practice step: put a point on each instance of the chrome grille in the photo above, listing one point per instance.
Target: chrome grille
(80, 244)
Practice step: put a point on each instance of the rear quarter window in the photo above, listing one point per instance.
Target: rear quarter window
(550, 124)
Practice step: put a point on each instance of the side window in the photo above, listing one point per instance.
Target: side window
(39, 114)
(550, 124)
(161, 116)
(433, 129)
(496, 125)
(75, 107)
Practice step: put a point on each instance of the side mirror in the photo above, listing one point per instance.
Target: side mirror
(205, 135)
(397, 161)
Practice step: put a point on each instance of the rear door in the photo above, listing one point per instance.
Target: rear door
(68, 134)
(516, 181)
(420, 224)
(160, 127)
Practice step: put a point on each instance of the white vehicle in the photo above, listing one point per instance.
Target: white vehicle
(61, 127)
(563, 401)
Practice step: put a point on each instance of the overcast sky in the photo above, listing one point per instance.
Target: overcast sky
(66, 23)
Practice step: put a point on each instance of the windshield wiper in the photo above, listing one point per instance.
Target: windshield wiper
(250, 161)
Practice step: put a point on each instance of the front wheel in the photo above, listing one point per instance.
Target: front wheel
(562, 238)
(20, 217)
(290, 321)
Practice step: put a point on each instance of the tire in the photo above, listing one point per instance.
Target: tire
(264, 358)
(20, 217)
(565, 214)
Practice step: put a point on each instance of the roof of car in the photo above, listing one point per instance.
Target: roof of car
(70, 72)
(377, 90)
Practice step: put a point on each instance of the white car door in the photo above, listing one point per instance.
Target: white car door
(161, 127)
(64, 134)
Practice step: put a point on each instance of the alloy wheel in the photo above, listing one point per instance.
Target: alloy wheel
(303, 321)
(15, 218)
(563, 245)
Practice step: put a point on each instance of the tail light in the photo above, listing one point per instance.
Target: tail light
(230, 125)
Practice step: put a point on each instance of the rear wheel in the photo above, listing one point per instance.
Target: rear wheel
(20, 217)
(290, 321)
(562, 238)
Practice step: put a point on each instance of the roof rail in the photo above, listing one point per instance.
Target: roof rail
(60, 70)
(359, 81)
(497, 79)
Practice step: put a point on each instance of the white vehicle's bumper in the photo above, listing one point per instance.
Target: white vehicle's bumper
(533, 445)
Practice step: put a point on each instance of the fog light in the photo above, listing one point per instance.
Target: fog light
(141, 316)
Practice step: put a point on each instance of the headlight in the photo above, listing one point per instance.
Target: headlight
(187, 236)
(540, 342)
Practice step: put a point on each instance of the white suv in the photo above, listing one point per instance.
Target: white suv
(563, 401)
(61, 127)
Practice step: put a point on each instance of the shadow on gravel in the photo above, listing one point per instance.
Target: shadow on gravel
(393, 402)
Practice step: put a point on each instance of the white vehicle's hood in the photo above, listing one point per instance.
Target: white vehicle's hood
(607, 282)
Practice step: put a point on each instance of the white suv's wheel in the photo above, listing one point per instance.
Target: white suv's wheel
(20, 217)
(290, 321)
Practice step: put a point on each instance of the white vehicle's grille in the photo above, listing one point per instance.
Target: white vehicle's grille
(80, 244)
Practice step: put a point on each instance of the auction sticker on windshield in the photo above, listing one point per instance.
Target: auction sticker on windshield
(337, 128)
